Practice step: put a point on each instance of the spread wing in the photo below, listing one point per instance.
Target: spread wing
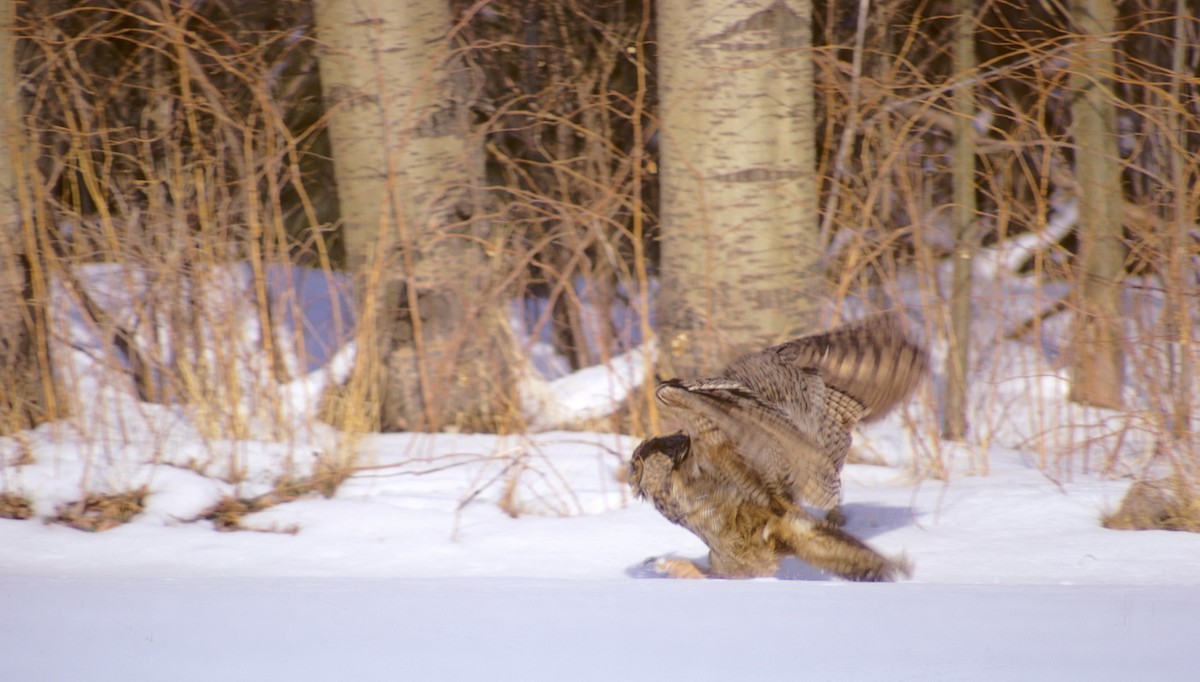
(786, 456)
(872, 361)
(866, 369)
(786, 412)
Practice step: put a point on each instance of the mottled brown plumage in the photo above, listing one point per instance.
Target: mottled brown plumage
(769, 436)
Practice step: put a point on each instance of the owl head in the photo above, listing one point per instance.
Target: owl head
(654, 460)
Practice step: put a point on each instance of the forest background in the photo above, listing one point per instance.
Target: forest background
(723, 174)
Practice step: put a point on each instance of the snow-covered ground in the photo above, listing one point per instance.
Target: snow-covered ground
(455, 556)
(430, 506)
(414, 571)
(560, 629)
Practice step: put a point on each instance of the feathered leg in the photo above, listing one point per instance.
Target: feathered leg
(827, 547)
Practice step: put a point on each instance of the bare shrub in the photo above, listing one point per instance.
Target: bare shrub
(887, 100)
(179, 185)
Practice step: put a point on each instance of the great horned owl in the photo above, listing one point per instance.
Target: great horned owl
(768, 436)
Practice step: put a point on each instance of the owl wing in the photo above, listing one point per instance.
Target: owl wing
(866, 368)
(787, 457)
(873, 362)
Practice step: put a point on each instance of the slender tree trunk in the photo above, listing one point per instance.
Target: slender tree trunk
(740, 250)
(954, 415)
(1182, 371)
(1097, 365)
(408, 170)
(26, 387)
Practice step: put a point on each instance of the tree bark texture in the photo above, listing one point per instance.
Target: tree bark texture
(1097, 371)
(408, 172)
(740, 251)
(26, 384)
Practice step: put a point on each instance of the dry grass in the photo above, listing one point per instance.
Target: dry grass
(229, 514)
(1165, 504)
(186, 155)
(15, 506)
(101, 511)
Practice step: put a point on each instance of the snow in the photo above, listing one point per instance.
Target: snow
(461, 556)
(413, 571)
(552, 629)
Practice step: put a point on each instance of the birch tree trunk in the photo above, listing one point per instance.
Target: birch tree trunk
(1097, 370)
(408, 171)
(740, 251)
(26, 386)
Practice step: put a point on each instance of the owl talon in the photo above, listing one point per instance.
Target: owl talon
(836, 517)
(678, 568)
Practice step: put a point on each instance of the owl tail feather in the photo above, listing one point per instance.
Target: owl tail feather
(824, 546)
